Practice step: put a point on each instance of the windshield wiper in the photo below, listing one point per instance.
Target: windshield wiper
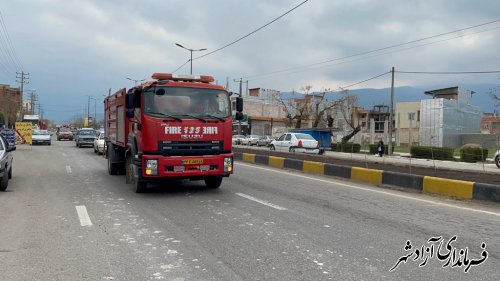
(166, 115)
(192, 116)
(212, 116)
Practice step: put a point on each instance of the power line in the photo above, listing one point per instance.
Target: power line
(10, 46)
(180, 66)
(279, 73)
(449, 72)
(245, 36)
(366, 80)
(376, 50)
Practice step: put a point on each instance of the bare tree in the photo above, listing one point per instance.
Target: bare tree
(297, 109)
(348, 107)
(494, 95)
(320, 106)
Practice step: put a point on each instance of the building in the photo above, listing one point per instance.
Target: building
(263, 113)
(407, 119)
(373, 124)
(490, 124)
(10, 104)
(448, 115)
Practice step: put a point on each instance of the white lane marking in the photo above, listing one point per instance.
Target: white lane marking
(83, 215)
(262, 202)
(373, 190)
(68, 169)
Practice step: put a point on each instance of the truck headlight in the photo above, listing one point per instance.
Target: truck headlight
(228, 164)
(152, 167)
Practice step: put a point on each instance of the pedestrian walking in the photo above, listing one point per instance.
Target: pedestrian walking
(381, 148)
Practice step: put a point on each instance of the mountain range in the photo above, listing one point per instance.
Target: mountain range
(367, 97)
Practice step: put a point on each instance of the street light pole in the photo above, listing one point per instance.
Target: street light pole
(135, 80)
(191, 55)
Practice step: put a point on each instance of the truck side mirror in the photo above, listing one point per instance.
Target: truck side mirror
(239, 104)
(129, 101)
(239, 116)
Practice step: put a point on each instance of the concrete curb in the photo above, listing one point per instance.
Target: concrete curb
(448, 187)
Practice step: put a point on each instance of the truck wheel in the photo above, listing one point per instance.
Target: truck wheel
(112, 167)
(497, 161)
(132, 176)
(213, 182)
(4, 182)
(129, 170)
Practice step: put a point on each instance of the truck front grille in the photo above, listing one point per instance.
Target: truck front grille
(180, 148)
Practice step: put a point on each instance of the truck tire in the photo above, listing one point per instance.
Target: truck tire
(132, 176)
(213, 182)
(4, 182)
(113, 168)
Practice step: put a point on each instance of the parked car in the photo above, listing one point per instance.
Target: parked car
(250, 140)
(85, 137)
(296, 142)
(264, 141)
(497, 158)
(64, 134)
(6, 160)
(237, 139)
(99, 143)
(41, 137)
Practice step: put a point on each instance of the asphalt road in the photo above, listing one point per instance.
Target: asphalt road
(65, 218)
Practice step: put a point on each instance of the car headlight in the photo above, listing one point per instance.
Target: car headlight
(228, 164)
(152, 167)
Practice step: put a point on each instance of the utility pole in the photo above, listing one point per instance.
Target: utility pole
(88, 109)
(4, 109)
(239, 121)
(391, 109)
(23, 79)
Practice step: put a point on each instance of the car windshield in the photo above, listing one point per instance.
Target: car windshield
(40, 132)
(186, 102)
(87, 133)
(304, 137)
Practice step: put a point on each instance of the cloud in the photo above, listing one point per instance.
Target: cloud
(90, 46)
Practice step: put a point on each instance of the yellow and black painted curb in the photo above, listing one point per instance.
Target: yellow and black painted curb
(453, 188)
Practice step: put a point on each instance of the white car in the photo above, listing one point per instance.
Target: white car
(40, 137)
(250, 140)
(497, 158)
(296, 142)
(237, 139)
(99, 143)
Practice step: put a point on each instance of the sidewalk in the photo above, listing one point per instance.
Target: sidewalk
(404, 160)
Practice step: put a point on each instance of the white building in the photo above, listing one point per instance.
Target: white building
(447, 116)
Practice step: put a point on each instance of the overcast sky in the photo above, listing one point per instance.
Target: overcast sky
(76, 48)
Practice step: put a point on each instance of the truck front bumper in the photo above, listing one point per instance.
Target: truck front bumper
(186, 166)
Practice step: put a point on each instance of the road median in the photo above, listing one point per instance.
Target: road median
(428, 184)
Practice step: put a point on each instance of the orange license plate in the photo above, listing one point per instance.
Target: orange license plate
(192, 162)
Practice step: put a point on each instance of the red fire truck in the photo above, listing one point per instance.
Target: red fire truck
(170, 127)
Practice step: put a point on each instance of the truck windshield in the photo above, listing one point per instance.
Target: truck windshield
(186, 102)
